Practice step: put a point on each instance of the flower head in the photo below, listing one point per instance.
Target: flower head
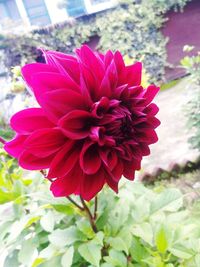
(94, 124)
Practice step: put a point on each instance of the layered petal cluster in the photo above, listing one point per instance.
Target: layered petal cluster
(94, 124)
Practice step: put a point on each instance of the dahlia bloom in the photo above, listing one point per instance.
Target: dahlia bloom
(94, 124)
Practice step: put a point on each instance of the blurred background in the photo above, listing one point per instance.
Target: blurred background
(163, 34)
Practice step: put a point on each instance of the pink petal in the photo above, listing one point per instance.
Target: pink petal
(45, 142)
(76, 124)
(64, 160)
(90, 161)
(28, 120)
(16, 146)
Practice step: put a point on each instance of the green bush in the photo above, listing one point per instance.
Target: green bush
(192, 67)
(132, 28)
(139, 227)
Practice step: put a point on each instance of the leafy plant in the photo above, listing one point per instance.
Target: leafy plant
(139, 227)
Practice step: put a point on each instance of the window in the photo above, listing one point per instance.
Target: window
(9, 10)
(96, 2)
(37, 12)
(76, 8)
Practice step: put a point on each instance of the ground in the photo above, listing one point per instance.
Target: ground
(173, 134)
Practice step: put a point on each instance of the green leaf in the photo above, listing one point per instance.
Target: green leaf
(53, 262)
(67, 258)
(90, 252)
(168, 200)
(85, 227)
(11, 259)
(66, 237)
(118, 244)
(144, 231)
(27, 252)
(37, 262)
(181, 252)
(116, 258)
(161, 240)
(137, 251)
(66, 209)
(47, 221)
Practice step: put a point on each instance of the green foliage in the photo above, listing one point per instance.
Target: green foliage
(192, 67)
(131, 28)
(136, 228)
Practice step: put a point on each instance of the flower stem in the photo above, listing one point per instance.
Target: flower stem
(76, 204)
(95, 208)
(2, 140)
(89, 214)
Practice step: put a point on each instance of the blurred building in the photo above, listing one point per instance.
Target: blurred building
(23, 14)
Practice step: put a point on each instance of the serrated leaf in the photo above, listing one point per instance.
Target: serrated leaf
(67, 258)
(90, 252)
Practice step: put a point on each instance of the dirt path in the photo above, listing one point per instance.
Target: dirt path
(173, 134)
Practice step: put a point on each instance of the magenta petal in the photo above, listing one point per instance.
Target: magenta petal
(59, 102)
(90, 161)
(76, 124)
(45, 82)
(151, 110)
(45, 142)
(65, 160)
(91, 60)
(30, 69)
(129, 169)
(134, 74)
(92, 184)
(150, 93)
(109, 158)
(15, 146)
(28, 120)
(31, 162)
(69, 184)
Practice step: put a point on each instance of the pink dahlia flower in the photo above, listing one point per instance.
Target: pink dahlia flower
(94, 124)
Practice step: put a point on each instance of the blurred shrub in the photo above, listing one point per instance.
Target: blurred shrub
(192, 67)
(39, 230)
(132, 28)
